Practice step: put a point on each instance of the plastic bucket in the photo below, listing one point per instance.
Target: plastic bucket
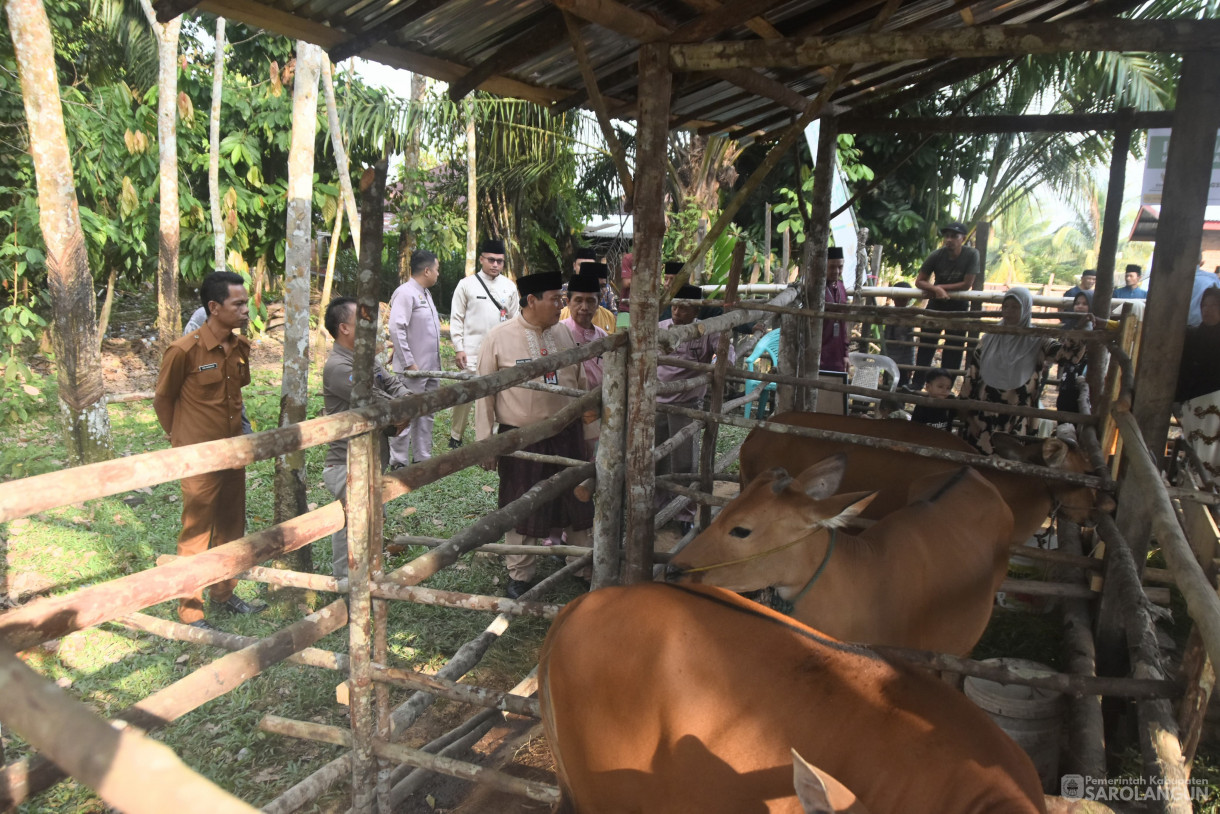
(1031, 716)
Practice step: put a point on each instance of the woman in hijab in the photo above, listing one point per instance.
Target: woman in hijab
(1199, 384)
(1073, 355)
(1006, 369)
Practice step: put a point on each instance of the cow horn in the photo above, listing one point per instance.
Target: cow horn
(781, 484)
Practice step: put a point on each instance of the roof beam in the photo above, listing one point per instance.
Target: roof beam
(298, 28)
(1050, 123)
(169, 9)
(980, 41)
(382, 31)
(715, 22)
(538, 37)
(616, 17)
(599, 106)
(757, 24)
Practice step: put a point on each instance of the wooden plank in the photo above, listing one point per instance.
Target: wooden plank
(756, 24)
(716, 22)
(1049, 123)
(980, 41)
(617, 17)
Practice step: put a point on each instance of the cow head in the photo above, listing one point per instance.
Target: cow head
(1078, 504)
(774, 533)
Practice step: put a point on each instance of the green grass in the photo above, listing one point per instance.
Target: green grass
(110, 668)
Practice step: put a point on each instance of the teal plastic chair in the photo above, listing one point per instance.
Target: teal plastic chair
(768, 345)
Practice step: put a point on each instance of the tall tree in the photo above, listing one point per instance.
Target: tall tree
(472, 191)
(218, 78)
(336, 141)
(169, 315)
(290, 469)
(82, 399)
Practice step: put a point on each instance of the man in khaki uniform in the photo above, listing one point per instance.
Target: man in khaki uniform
(198, 398)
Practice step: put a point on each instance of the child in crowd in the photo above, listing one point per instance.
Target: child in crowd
(937, 384)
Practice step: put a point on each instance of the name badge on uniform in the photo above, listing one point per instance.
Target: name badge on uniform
(552, 377)
(835, 330)
(208, 367)
(503, 315)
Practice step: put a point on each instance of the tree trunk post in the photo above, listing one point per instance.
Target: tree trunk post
(364, 510)
(711, 431)
(608, 502)
(82, 396)
(410, 168)
(336, 143)
(1180, 235)
(290, 488)
(813, 257)
(1106, 263)
(169, 315)
(649, 211)
(218, 76)
(472, 192)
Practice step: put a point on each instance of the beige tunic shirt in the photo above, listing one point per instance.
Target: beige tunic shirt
(513, 342)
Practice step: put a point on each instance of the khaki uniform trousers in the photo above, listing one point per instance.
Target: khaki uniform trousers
(213, 513)
(523, 567)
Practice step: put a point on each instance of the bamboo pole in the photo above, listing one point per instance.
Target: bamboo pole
(611, 447)
(490, 526)
(41, 492)
(415, 757)
(554, 460)
(967, 458)
(497, 548)
(179, 632)
(672, 337)
(1086, 752)
(813, 256)
(1060, 682)
(34, 774)
(890, 395)
(1202, 603)
(312, 787)
(462, 693)
(51, 618)
(707, 452)
(127, 769)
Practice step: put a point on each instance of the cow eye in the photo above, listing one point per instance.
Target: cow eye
(738, 531)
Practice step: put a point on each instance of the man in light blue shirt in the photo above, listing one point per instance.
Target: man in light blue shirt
(1132, 290)
(1204, 280)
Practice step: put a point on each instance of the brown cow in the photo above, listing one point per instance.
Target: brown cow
(924, 576)
(890, 473)
(677, 699)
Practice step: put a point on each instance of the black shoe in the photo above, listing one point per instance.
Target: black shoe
(685, 527)
(517, 587)
(454, 443)
(201, 624)
(396, 467)
(235, 604)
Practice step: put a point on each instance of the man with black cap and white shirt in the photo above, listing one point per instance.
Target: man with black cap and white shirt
(533, 334)
(950, 268)
(480, 302)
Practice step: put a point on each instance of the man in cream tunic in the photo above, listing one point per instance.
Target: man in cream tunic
(534, 334)
(480, 302)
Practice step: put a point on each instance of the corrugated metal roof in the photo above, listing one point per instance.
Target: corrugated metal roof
(523, 49)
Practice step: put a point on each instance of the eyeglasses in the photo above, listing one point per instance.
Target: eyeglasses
(494, 261)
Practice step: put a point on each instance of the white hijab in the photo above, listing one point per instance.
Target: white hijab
(1007, 361)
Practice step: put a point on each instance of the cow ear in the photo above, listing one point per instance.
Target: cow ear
(1009, 447)
(822, 480)
(810, 789)
(1054, 452)
(839, 510)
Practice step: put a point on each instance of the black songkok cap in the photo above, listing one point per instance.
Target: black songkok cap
(672, 267)
(1134, 268)
(689, 292)
(492, 245)
(586, 253)
(834, 252)
(584, 283)
(1089, 273)
(599, 270)
(537, 283)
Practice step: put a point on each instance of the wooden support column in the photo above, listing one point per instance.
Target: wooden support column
(653, 131)
(608, 502)
(364, 510)
(1178, 239)
(707, 452)
(817, 239)
(1103, 294)
(598, 103)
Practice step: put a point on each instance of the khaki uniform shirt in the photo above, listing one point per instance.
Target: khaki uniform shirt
(198, 396)
(517, 342)
(337, 397)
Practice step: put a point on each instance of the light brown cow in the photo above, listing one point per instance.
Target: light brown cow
(923, 576)
(891, 473)
(679, 699)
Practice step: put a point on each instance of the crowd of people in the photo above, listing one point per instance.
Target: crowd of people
(495, 323)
